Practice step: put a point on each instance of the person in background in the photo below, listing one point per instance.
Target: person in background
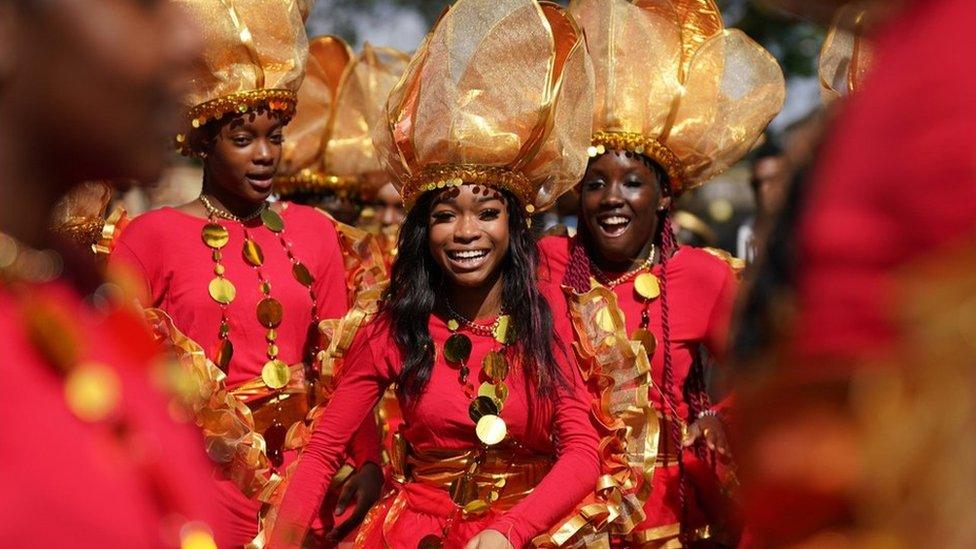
(770, 177)
(642, 306)
(328, 158)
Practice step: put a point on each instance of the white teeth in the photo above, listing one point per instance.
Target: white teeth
(468, 254)
(615, 220)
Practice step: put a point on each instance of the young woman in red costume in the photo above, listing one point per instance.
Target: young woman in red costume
(497, 441)
(241, 287)
(91, 457)
(641, 305)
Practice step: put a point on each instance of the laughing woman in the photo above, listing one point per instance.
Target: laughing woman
(497, 441)
(247, 282)
(641, 305)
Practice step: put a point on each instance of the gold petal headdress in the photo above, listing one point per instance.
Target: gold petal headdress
(254, 57)
(328, 144)
(846, 54)
(673, 84)
(499, 93)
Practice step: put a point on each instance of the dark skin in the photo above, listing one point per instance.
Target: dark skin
(241, 159)
(389, 207)
(472, 220)
(86, 93)
(621, 198)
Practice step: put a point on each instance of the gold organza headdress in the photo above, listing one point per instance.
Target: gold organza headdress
(254, 57)
(673, 84)
(328, 144)
(846, 54)
(499, 93)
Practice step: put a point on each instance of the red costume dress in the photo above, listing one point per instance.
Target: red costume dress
(165, 247)
(133, 478)
(701, 290)
(552, 468)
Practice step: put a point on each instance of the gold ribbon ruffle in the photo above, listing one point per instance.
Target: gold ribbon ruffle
(617, 371)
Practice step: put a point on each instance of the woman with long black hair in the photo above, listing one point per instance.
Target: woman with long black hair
(642, 306)
(497, 441)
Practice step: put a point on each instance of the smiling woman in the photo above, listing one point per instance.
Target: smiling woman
(643, 307)
(496, 443)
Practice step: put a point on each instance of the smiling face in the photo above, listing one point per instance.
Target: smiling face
(243, 157)
(620, 195)
(468, 234)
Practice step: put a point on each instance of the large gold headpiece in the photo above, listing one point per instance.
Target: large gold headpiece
(673, 84)
(253, 58)
(499, 94)
(846, 54)
(328, 144)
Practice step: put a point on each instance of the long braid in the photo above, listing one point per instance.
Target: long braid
(577, 275)
(669, 246)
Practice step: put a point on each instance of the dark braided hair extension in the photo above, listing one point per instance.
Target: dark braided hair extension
(577, 277)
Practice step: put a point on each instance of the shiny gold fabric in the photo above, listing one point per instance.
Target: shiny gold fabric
(668, 71)
(328, 144)
(504, 85)
(254, 53)
(80, 217)
(846, 55)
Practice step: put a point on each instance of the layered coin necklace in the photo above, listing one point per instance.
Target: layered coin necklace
(275, 373)
(485, 411)
(487, 403)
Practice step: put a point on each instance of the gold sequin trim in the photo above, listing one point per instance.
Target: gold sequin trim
(641, 144)
(281, 100)
(311, 181)
(454, 175)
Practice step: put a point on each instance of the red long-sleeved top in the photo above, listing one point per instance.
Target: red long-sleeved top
(439, 419)
(74, 483)
(701, 294)
(165, 247)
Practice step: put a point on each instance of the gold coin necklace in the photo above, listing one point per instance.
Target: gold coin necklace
(487, 403)
(612, 283)
(484, 410)
(275, 373)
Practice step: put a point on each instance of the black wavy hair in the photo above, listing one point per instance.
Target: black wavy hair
(411, 298)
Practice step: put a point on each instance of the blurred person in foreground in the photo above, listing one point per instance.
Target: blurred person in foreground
(858, 418)
(91, 458)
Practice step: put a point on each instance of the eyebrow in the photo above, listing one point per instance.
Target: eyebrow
(489, 198)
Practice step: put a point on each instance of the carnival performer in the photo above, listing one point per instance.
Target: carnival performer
(91, 455)
(642, 306)
(329, 160)
(497, 441)
(240, 286)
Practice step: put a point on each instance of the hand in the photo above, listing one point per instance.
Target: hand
(710, 428)
(489, 539)
(365, 486)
